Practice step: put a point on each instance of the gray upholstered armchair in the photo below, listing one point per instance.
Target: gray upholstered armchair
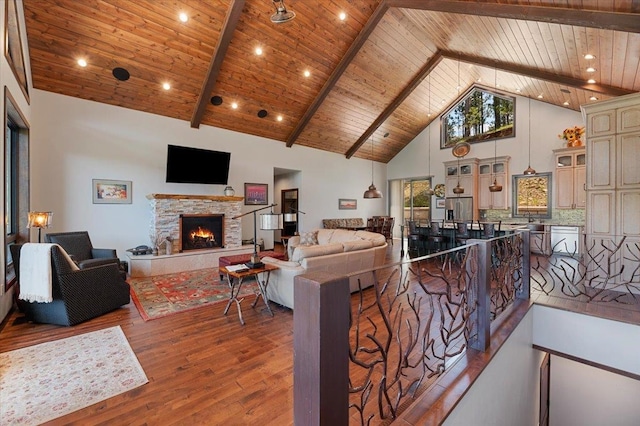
(78, 294)
(78, 245)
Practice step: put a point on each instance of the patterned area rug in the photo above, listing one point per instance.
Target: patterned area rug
(162, 295)
(46, 381)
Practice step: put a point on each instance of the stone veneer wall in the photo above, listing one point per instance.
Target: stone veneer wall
(167, 208)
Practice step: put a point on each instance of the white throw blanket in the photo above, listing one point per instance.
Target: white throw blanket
(36, 273)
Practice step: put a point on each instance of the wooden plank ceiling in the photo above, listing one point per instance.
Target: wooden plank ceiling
(390, 67)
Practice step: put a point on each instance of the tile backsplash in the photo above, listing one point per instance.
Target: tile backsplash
(572, 216)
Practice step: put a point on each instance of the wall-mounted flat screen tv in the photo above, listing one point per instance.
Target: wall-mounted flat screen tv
(195, 165)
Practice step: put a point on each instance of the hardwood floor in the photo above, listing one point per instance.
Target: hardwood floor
(203, 367)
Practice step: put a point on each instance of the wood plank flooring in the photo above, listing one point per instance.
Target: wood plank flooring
(203, 367)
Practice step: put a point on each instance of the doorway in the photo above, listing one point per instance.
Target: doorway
(289, 203)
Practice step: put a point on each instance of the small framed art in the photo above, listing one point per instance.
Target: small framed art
(256, 194)
(111, 191)
(439, 203)
(347, 204)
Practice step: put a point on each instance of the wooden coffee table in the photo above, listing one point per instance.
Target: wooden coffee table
(235, 279)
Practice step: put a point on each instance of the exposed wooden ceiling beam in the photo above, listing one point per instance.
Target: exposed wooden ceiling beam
(339, 70)
(537, 74)
(617, 21)
(228, 27)
(413, 84)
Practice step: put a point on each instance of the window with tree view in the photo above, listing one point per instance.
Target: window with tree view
(417, 204)
(532, 196)
(479, 116)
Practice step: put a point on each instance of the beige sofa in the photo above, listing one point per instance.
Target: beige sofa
(337, 251)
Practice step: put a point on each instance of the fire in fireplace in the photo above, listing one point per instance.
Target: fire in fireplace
(201, 231)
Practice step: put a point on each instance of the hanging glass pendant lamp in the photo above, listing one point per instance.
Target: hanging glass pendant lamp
(429, 192)
(494, 187)
(458, 189)
(372, 192)
(529, 170)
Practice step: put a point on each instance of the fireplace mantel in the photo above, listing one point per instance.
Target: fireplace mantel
(193, 197)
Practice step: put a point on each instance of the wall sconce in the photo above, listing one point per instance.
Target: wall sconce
(40, 220)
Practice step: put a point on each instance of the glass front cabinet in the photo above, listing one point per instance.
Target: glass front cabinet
(490, 170)
(571, 178)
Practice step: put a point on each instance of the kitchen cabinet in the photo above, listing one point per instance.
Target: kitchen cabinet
(491, 169)
(613, 184)
(571, 178)
(464, 171)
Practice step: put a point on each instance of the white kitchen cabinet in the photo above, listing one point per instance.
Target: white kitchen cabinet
(570, 179)
(613, 185)
(491, 169)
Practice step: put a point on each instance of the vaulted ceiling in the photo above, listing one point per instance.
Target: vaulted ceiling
(390, 67)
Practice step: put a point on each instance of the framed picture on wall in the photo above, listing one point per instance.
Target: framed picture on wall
(111, 191)
(256, 194)
(347, 204)
(439, 203)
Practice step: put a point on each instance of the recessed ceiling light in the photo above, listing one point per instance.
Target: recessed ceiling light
(593, 98)
(307, 73)
(518, 90)
(442, 102)
(183, 17)
(589, 56)
(342, 16)
(565, 103)
(234, 105)
(479, 80)
(540, 96)
(166, 86)
(591, 81)
(82, 63)
(591, 69)
(258, 51)
(279, 118)
(429, 115)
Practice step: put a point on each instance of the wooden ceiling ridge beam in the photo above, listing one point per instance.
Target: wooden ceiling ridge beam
(390, 109)
(537, 74)
(616, 21)
(228, 28)
(351, 53)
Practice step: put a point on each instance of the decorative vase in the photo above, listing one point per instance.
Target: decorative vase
(229, 191)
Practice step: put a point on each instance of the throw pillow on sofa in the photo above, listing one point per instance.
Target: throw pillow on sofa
(309, 238)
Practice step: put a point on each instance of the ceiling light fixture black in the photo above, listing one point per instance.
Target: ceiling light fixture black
(282, 15)
(121, 74)
(216, 100)
(262, 113)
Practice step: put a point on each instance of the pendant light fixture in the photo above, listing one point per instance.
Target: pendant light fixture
(372, 192)
(529, 170)
(429, 191)
(458, 189)
(494, 187)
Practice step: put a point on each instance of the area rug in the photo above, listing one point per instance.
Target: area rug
(46, 381)
(162, 295)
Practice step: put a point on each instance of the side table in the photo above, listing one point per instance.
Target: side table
(236, 284)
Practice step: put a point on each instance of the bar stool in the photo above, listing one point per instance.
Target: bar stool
(436, 238)
(462, 233)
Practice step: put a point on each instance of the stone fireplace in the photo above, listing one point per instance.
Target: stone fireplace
(201, 231)
(168, 211)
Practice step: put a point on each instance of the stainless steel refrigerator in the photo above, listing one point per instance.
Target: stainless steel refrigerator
(462, 208)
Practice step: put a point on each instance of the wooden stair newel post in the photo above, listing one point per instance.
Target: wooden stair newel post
(321, 350)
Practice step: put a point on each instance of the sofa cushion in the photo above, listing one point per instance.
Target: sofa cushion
(343, 235)
(302, 252)
(309, 238)
(357, 245)
(377, 239)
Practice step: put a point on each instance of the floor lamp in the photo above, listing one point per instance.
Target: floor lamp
(268, 222)
(39, 220)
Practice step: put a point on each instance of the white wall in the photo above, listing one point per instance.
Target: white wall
(74, 141)
(582, 395)
(547, 122)
(507, 391)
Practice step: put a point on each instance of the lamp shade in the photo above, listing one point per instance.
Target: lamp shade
(290, 217)
(40, 219)
(372, 192)
(271, 221)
